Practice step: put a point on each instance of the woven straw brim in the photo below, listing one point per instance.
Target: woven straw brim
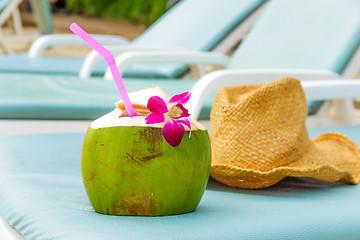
(331, 158)
(259, 137)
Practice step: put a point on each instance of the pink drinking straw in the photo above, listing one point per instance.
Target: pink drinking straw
(110, 61)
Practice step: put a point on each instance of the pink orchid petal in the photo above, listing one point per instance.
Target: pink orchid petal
(173, 133)
(178, 111)
(184, 111)
(181, 98)
(185, 121)
(154, 118)
(157, 105)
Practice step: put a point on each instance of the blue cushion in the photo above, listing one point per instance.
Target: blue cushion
(21, 63)
(65, 97)
(308, 34)
(195, 25)
(42, 197)
(314, 106)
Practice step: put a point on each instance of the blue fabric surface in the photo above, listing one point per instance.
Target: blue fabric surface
(192, 24)
(21, 63)
(66, 97)
(314, 106)
(42, 197)
(302, 34)
(195, 25)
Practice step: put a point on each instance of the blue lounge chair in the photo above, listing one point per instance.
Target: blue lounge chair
(42, 197)
(284, 43)
(195, 25)
(53, 97)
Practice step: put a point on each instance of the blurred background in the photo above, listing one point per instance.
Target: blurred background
(127, 18)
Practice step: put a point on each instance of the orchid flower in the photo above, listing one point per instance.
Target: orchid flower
(173, 113)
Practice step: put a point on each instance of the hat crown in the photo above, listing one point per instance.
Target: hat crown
(262, 125)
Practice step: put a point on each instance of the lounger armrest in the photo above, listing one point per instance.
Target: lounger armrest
(331, 89)
(94, 57)
(224, 78)
(124, 60)
(46, 41)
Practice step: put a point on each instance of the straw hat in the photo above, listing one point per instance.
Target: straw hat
(258, 137)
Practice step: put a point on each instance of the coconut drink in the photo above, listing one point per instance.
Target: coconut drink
(147, 157)
(153, 164)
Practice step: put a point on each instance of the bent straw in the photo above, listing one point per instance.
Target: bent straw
(110, 61)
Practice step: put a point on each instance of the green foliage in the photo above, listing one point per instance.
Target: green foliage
(140, 11)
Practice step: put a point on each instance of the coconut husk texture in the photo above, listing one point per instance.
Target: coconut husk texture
(259, 137)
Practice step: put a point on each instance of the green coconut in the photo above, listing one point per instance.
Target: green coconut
(128, 167)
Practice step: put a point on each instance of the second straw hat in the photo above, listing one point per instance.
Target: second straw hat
(259, 137)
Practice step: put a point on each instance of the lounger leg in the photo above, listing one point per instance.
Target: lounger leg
(4, 45)
(344, 111)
